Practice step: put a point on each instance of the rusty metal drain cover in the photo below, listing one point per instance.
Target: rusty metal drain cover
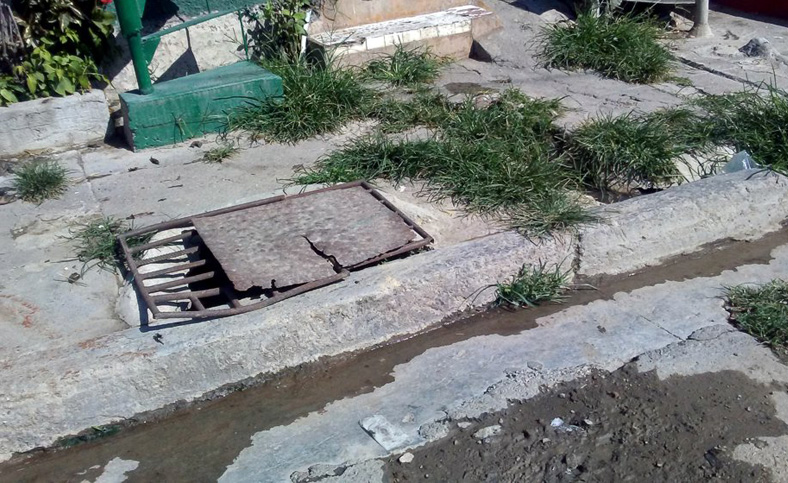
(242, 258)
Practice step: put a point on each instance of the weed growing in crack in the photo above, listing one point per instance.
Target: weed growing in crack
(405, 67)
(761, 311)
(40, 180)
(219, 153)
(97, 242)
(532, 286)
(317, 100)
(497, 161)
(625, 47)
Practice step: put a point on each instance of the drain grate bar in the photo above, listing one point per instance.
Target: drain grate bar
(178, 283)
(158, 243)
(174, 269)
(167, 257)
(200, 281)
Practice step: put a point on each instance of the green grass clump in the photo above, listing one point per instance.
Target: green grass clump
(405, 67)
(425, 108)
(219, 153)
(622, 151)
(36, 181)
(499, 160)
(532, 286)
(625, 47)
(762, 311)
(755, 120)
(317, 100)
(97, 242)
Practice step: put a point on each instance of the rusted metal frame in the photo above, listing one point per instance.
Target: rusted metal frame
(258, 305)
(237, 307)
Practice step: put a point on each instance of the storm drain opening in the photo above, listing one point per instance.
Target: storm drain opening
(245, 257)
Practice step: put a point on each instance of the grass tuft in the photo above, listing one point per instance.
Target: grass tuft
(36, 181)
(498, 160)
(624, 151)
(532, 286)
(761, 311)
(97, 242)
(625, 47)
(219, 153)
(317, 100)
(405, 67)
(755, 120)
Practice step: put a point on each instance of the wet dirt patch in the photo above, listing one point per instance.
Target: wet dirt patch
(624, 426)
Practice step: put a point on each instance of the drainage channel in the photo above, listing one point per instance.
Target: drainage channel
(197, 442)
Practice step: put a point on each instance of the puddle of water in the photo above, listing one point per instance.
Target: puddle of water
(198, 442)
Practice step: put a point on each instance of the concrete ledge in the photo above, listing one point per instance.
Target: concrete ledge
(644, 231)
(54, 123)
(63, 391)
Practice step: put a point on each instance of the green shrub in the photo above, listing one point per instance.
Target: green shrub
(276, 28)
(626, 48)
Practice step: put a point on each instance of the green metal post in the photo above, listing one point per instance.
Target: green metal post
(130, 20)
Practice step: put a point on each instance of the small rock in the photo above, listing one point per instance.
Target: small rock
(659, 464)
(760, 444)
(758, 47)
(154, 160)
(557, 423)
(406, 458)
(500, 420)
(487, 432)
(409, 418)
(588, 422)
(196, 144)
(463, 425)
(554, 16)
(534, 365)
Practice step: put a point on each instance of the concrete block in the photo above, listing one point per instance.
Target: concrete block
(53, 123)
(645, 231)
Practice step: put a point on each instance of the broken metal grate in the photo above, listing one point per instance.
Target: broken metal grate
(246, 257)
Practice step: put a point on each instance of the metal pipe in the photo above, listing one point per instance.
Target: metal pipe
(130, 20)
(701, 27)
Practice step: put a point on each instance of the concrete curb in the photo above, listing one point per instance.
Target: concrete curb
(646, 230)
(61, 391)
(53, 123)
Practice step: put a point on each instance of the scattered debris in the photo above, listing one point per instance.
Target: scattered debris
(464, 425)
(406, 458)
(488, 432)
(154, 160)
(387, 435)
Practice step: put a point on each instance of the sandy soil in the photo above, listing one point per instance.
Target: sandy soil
(624, 426)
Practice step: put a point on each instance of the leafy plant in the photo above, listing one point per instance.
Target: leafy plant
(39, 180)
(625, 47)
(72, 27)
(761, 311)
(533, 285)
(405, 67)
(45, 74)
(10, 90)
(277, 28)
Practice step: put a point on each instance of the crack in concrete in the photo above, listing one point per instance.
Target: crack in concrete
(678, 338)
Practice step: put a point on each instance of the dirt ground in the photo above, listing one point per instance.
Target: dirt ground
(624, 426)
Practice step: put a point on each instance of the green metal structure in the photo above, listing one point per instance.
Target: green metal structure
(173, 111)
